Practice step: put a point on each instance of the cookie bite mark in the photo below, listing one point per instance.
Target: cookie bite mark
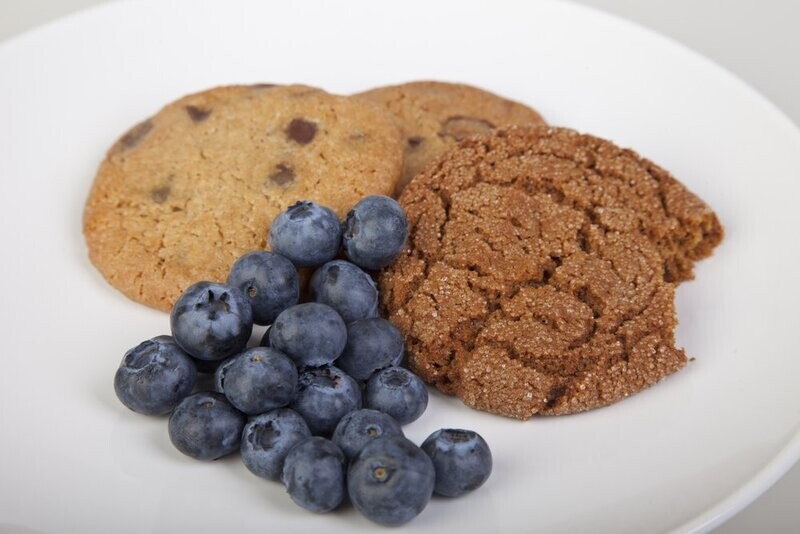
(458, 127)
(160, 194)
(283, 175)
(197, 114)
(301, 131)
(133, 136)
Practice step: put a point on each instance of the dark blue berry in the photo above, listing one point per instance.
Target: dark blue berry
(205, 426)
(345, 288)
(258, 380)
(374, 232)
(265, 338)
(314, 474)
(202, 366)
(207, 367)
(269, 281)
(211, 321)
(391, 480)
(324, 396)
(398, 392)
(359, 427)
(311, 334)
(154, 376)
(461, 458)
(306, 233)
(219, 374)
(267, 439)
(372, 345)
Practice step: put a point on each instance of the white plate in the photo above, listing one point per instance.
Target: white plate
(684, 455)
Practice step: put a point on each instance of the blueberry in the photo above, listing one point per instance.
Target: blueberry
(208, 367)
(258, 380)
(359, 427)
(306, 233)
(154, 376)
(269, 281)
(391, 480)
(374, 232)
(372, 345)
(211, 321)
(205, 426)
(398, 392)
(314, 474)
(219, 374)
(267, 439)
(461, 458)
(345, 288)
(311, 334)
(324, 396)
(265, 338)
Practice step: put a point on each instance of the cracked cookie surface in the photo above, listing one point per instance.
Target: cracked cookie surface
(540, 271)
(183, 194)
(435, 116)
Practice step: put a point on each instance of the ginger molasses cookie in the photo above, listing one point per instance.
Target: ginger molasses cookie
(540, 271)
(434, 116)
(183, 194)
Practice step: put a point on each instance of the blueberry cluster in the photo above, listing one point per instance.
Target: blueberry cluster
(320, 403)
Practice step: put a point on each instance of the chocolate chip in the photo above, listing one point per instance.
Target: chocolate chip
(160, 194)
(263, 85)
(136, 134)
(198, 114)
(459, 127)
(283, 176)
(301, 131)
(414, 142)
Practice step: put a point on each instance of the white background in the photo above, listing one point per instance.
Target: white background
(756, 40)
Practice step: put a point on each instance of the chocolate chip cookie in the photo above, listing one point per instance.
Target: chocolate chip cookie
(434, 116)
(540, 271)
(183, 194)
